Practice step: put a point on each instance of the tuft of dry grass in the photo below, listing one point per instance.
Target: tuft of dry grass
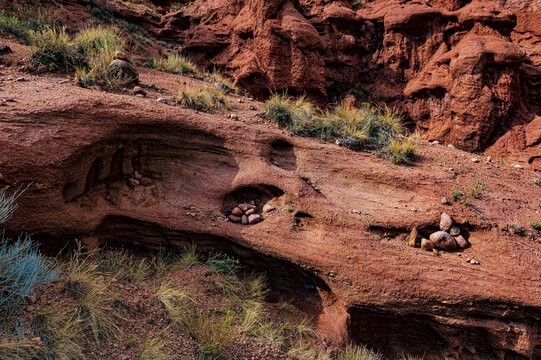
(203, 99)
(176, 64)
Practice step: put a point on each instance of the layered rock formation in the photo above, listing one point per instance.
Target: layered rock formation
(335, 237)
(465, 73)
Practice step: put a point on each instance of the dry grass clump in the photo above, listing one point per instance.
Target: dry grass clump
(221, 81)
(368, 127)
(203, 99)
(122, 265)
(358, 352)
(400, 151)
(154, 348)
(176, 64)
(54, 50)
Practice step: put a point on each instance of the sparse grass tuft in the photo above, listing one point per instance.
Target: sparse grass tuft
(359, 352)
(154, 348)
(538, 181)
(223, 82)
(203, 99)
(175, 301)
(63, 335)
(54, 51)
(93, 311)
(176, 64)
(122, 265)
(400, 151)
(214, 332)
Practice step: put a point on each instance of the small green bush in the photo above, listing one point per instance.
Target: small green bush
(536, 225)
(356, 129)
(176, 64)
(538, 181)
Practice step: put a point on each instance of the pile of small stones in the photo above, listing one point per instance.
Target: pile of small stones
(245, 214)
(448, 238)
(139, 179)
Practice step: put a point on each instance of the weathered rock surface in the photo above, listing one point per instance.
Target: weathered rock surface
(454, 67)
(382, 293)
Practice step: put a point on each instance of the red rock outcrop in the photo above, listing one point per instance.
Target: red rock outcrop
(464, 72)
(335, 239)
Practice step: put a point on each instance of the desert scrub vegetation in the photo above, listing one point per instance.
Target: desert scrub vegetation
(221, 81)
(22, 267)
(21, 19)
(204, 98)
(365, 128)
(176, 64)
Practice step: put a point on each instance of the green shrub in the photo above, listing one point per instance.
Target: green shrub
(224, 264)
(203, 99)
(54, 51)
(176, 64)
(538, 181)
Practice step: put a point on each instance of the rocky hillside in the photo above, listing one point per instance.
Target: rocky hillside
(466, 73)
(439, 259)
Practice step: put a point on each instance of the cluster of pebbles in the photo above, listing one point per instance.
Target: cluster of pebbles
(139, 179)
(448, 238)
(246, 214)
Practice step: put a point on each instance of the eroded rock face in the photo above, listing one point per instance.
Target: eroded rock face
(454, 67)
(363, 283)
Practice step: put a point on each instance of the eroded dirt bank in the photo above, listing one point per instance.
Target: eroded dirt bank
(338, 225)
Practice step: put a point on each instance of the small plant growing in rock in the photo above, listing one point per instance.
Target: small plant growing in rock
(538, 181)
(357, 4)
(536, 225)
(456, 195)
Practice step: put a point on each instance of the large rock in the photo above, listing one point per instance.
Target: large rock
(443, 240)
(446, 222)
(125, 69)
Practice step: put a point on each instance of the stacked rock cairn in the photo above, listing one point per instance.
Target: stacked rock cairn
(448, 238)
(245, 214)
